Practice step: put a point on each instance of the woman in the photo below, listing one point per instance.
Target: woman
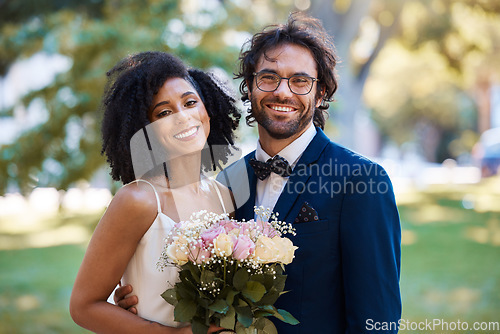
(158, 119)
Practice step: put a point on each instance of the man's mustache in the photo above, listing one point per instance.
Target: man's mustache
(289, 102)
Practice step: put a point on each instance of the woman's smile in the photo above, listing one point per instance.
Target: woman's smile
(187, 134)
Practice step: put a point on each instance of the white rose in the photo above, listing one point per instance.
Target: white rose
(285, 249)
(265, 250)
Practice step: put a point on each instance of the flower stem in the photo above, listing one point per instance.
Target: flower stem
(224, 271)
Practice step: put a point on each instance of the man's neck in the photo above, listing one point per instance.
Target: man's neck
(273, 146)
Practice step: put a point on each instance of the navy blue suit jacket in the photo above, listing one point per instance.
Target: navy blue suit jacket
(345, 275)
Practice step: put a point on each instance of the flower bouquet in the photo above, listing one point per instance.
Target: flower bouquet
(231, 272)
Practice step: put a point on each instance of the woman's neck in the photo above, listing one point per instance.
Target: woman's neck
(183, 171)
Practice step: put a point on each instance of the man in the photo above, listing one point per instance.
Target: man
(345, 275)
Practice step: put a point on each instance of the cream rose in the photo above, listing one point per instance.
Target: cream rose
(223, 245)
(178, 251)
(285, 249)
(265, 250)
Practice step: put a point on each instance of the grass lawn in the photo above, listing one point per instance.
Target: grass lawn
(450, 265)
(35, 286)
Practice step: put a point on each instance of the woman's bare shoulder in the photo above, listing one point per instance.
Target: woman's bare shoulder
(136, 199)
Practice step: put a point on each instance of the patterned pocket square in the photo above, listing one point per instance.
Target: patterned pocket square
(306, 214)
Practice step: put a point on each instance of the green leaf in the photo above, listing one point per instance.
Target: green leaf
(262, 313)
(225, 291)
(245, 316)
(279, 269)
(269, 298)
(268, 308)
(230, 296)
(204, 302)
(269, 281)
(185, 291)
(258, 278)
(240, 279)
(170, 296)
(185, 310)
(254, 291)
(198, 327)
(258, 323)
(229, 319)
(207, 276)
(240, 301)
(287, 317)
(269, 327)
(265, 326)
(187, 278)
(195, 271)
(240, 329)
(219, 306)
(279, 282)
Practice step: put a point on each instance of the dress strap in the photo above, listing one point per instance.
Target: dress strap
(214, 184)
(154, 189)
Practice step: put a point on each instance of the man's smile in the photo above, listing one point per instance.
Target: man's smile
(281, 108)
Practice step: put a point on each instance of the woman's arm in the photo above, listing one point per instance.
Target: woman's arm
(128, 217)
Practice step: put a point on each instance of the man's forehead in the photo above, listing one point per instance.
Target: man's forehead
(287, 56)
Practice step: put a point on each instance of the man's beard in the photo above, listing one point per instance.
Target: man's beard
(277, 129)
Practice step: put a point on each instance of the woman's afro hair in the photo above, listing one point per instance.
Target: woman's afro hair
(132, 84)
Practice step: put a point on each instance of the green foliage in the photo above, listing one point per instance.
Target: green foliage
(94, 35)
(239, 302)
(423, 86)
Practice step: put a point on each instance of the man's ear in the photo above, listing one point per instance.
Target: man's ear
(249, 90)
(320, 99)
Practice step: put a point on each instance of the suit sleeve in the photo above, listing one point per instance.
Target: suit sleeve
(370, 237)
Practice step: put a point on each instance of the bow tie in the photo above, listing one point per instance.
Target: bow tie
(277, 165)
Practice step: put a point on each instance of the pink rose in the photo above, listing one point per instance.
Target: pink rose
(228, 225)
(243, 247)
(244, 229)
(266, 228)
(198, 253)
(209, 235)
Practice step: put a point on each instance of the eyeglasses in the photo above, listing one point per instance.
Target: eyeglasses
(298, 84)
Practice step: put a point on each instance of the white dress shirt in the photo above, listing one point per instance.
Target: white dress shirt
(269, 190)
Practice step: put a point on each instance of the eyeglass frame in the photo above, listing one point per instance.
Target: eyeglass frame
(288, 80)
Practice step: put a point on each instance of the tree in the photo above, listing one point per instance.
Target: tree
(424, 86)
(360, 29)
(94, 35)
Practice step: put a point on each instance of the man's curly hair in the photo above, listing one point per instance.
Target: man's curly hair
(301, 30)
(132, 84)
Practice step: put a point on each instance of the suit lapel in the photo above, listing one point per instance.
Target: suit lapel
(297, 182)
(246, 211)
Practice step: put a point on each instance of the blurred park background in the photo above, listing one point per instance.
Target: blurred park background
(419, 93)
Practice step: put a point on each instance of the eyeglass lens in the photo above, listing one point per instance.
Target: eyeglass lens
(298, 84)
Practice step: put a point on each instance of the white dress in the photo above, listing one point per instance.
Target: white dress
(147, 281)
